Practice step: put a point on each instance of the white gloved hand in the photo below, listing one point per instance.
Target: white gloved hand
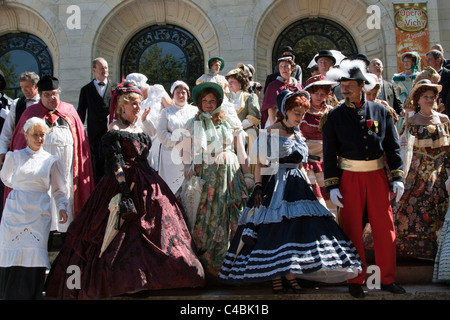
(398, 188)
(246, 123)
(447, 186)
(4, 112)
(335, 195)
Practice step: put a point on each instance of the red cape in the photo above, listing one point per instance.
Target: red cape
(83, 183)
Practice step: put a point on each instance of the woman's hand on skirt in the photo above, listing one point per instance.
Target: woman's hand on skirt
(62, 216)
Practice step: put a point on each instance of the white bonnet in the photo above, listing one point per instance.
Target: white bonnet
(138, 79)
(178, 83)
(34, 121)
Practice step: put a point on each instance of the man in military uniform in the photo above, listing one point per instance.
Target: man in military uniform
(356, 136)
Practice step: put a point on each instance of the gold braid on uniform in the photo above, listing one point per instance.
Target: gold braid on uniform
(331, 182)
(398, 174)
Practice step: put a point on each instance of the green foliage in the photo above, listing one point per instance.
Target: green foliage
(161, 69)
(8, 69)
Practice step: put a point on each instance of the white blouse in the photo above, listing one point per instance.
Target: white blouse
(27, 216)
(173, 118)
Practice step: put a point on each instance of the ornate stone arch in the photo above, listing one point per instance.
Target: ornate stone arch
(128, 18)
(16, 18)
(350, 14)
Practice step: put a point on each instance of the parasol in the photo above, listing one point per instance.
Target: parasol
(114, 221)
(246, 219)
(406, 146)
(191, 193)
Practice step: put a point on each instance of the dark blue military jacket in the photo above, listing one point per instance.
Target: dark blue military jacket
(365, 133)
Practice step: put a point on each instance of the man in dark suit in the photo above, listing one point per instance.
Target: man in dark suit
(435, 59)
(93, 106)
(439, 47)
(387, 91)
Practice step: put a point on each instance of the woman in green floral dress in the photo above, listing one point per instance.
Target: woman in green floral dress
(218, 155)
(420, 213)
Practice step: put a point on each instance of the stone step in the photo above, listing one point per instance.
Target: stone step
(408, 271)
(414, 276)
(264, 292)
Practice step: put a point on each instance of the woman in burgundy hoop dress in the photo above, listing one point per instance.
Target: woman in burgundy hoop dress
(153, 248)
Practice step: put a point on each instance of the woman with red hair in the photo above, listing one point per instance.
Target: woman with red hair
(285, 231)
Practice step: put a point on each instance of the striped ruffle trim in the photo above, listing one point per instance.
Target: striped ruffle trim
(300, 259)
(441, 273)
(289, 210)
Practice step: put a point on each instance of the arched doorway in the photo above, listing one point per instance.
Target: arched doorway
(20, 52)
(164, 54)
(309, 36)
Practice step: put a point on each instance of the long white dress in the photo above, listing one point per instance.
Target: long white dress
(153, 101)
(25, 225)
(59, 142)
(172, 120)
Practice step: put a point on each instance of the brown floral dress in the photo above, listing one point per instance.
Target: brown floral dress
(419, 215)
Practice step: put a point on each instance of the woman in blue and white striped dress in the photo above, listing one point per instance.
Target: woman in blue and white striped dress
(288, 234)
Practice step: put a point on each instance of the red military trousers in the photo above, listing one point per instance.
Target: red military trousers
(361, 190)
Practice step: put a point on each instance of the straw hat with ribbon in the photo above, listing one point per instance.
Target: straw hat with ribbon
(319, 80)
(424, 83)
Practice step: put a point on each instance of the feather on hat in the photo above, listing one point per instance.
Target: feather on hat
(349, 70)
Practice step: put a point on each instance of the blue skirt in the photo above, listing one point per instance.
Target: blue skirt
(291, 232)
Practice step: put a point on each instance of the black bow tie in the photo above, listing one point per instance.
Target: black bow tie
(30, 100)
(101, 83)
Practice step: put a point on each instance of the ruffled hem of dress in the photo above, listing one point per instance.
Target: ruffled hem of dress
(441, 272)
(289, 210)
(25, 257)
(326, 262)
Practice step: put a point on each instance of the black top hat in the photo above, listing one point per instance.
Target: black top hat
(362, 57)
(325, 54)
(288, 48)
(48, 83)
(2, 81)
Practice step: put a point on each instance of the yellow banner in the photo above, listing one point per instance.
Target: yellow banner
(411, 30)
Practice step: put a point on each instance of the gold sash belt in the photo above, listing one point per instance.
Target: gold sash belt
(361, 165)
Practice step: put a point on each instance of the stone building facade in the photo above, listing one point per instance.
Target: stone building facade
(75, 32)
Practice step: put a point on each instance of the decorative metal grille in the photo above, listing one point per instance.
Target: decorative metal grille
(164, 54)
(21, 52)
(308, 36)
